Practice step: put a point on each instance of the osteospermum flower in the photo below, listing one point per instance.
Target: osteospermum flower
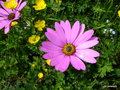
(33, 39)
(40, 4)
(69, 45)
(40, 24)
(7, 16)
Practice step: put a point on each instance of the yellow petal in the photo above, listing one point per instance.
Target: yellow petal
(48, 61)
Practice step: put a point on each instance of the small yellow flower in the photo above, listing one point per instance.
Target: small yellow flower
(40, 24)
(40, 4)
(14, 23)
(11, 4)
(59, 1)
(45, 70)
(33, 39)
(33, 65)
(48, 61)
(119, 13)
(40, 75)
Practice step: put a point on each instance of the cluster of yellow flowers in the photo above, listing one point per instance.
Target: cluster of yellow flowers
(40, 24)
(40, 74)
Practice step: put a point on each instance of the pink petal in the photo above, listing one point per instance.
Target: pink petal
(86, 36)
(8, 10)
(3, 18)
(2, 24)
(2, 11)
(87, 44)
(20, 1)
(48, 50)
(63, 65)
(86, 58)
(93, 38)
(17, 15)
(45, 50)
(57, 59)
(88, 52)
(54, 39)
(62, 23)
(75, 31)
(82, 27)
(67, 29)
(77, 63)
(51, 46)
(47, 56)
(51, 55)
(60, 32)
(50, 30)
(21, 6)
(7, 28)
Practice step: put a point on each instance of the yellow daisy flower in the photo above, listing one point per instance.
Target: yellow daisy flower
(33, 39)
(40, 75)
(11, 4)
(48, 61)
(14, 23)
(119, 13)
(40, 24)
(40, 4)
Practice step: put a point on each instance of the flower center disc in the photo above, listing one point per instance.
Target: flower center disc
(69, 49)
(11, 16)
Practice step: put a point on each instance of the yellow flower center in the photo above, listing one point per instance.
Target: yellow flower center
(11, 16)
(11, 4)
(69, 49)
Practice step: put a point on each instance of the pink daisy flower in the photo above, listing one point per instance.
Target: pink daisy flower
(9, 15)
(69, 45)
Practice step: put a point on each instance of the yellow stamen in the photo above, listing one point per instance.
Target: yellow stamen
(69, 49)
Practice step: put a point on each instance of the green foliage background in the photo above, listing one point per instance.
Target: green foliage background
(17, 55)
